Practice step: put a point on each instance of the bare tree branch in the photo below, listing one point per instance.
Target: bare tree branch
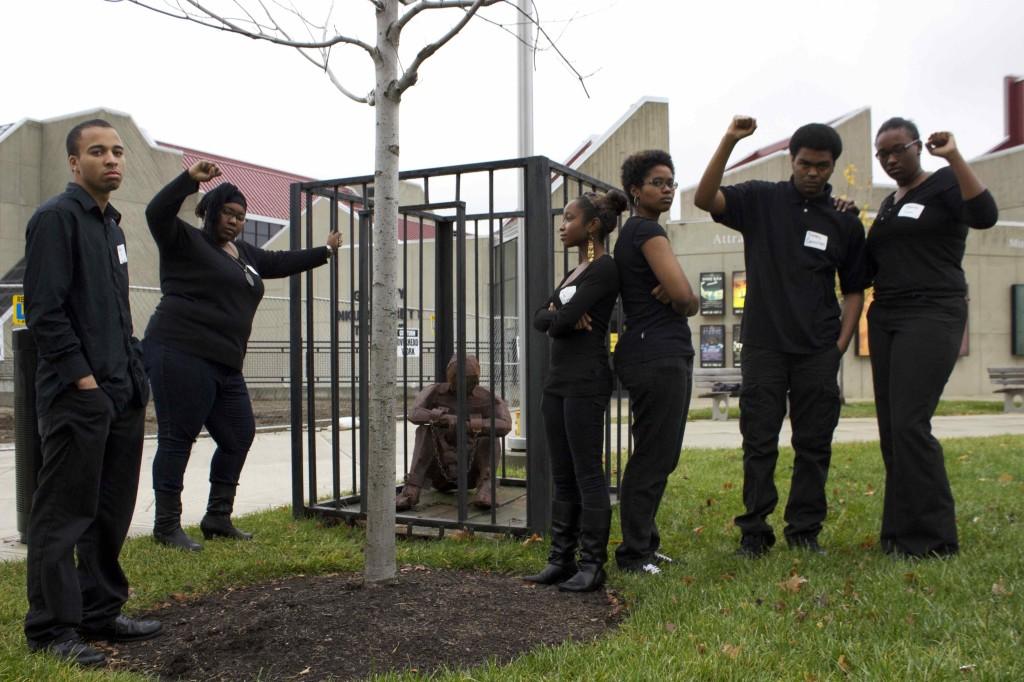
(232, 26)
(431, 4)
(542, 31)
(411, 74)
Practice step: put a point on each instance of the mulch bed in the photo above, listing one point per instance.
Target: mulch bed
(331, 627)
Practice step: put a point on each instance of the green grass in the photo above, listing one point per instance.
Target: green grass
(709, 617)
(866, 409)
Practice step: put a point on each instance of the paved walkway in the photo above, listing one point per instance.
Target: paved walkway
(266, 479)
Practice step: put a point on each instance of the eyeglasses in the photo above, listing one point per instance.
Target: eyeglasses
(228, 213)
(662, 183)
(883, 154)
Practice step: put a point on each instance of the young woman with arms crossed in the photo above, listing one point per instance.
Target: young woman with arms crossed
(654, 355)
(576, 395)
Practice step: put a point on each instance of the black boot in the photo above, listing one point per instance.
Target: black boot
(565, 532)
(595, 525)
(217, 521)
(167, 523)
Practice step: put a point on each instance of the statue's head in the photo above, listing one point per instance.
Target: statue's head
(472, 372)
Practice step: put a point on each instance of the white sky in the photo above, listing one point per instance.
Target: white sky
(939, 62)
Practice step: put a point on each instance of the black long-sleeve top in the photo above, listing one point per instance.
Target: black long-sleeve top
(579, 358)
(916, 245)
(208, 304)
(76, 296)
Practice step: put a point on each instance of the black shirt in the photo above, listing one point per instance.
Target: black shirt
(208, 304)
(579, 358)
(793, 246)
(76, 296)
(916, 245)
(653, 330)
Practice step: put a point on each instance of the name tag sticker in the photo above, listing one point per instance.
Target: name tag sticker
(566, 294)
(122, 254)
(815, 240)
(913, 211)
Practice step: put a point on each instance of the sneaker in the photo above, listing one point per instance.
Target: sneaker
(662, 559)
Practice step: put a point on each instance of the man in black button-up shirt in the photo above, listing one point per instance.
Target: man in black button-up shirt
(91, 397)
(794, 333)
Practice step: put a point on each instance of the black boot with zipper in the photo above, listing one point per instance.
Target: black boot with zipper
(167, 523)
(217, 521)
(595, 525)
(565, 530)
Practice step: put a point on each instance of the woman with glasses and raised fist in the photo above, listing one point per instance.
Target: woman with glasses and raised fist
(211, 284)
(654, 355)
(916, 324)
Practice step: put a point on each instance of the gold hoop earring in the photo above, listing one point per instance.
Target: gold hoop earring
(636, 201)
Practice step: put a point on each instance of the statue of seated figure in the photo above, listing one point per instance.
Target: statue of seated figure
(434, 458)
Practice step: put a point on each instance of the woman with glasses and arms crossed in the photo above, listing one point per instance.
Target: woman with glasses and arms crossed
(654, 355)
(195, 343)
(576, 394)
(915, 326)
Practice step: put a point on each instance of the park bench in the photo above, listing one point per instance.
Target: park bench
(1011, 379)
(719, 385)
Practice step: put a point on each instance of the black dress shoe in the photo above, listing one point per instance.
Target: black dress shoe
(125, 629)
(807, 544)
(753, 547)
(72, 650)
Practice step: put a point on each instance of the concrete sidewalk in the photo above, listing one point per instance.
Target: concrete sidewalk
(266, 479)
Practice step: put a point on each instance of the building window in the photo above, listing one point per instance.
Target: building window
(259, 232)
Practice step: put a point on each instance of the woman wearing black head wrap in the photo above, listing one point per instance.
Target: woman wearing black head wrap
(195, 343)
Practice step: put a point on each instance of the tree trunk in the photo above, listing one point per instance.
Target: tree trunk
(380, 475)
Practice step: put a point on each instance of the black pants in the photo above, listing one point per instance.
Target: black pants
(83, 503)
(914, 346)
(190, 392)
(810, 381)
(659, 397)
(575, 432)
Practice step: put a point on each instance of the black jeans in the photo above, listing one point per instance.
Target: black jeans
(659, 397)
(575, 432)
(813, 391)
(914, 346)
(190, 392)
(83, 503)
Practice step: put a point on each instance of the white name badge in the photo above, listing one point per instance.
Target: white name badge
(566, 294)
(912, 211)
(815, 240)
(122, 254)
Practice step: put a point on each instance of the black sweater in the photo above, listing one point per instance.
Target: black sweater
(916, 245)
(579, 358)
(208, 306)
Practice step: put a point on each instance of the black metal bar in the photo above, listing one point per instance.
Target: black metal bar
(295, 354)
(335, 364)
(539, 250)
(364, 350)
(426, 173)
(443, 295)
(423, 330)
(28, 449)
(355, 409)
(405, 343)
(310, 367)
(460, 392)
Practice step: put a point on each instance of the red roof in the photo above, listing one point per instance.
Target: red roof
(266, 190)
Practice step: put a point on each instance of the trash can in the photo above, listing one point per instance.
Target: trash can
(27, 447)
